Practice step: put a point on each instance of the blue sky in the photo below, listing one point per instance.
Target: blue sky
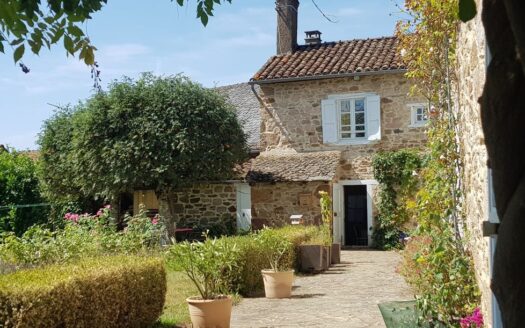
(137, 36)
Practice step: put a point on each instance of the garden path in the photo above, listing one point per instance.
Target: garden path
(344, 296)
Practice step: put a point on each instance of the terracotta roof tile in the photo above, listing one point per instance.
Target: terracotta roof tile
(334, 58)
(276, 166)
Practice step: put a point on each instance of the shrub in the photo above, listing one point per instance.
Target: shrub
(274, 249)
(120, 291)
(395, 173)
(245, 275)
(82, 235)
(19, 186)
(205, 263)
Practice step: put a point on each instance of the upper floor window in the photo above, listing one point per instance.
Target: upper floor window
(352, 124)
(418, 114)
(351, 118)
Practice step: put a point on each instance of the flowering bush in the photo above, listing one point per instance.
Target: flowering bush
(475, 320)
(83, 235)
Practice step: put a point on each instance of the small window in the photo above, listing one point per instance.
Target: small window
(419, 114)
(352, 121)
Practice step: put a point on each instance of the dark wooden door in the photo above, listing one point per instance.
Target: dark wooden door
(356, 233)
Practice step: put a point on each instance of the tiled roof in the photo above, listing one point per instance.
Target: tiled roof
(247, 106)
(331, 59)
(276, 166)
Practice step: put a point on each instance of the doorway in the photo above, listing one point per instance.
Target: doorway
(355, 215)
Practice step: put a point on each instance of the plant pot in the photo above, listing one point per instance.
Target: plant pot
(277, 284)
(336, 253)
(311, 258)
(325, 257)
(214, 313)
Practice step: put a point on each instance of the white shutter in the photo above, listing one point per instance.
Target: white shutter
(329, 121)
(373, 114)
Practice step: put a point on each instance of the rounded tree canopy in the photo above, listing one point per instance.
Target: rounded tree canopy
(154, 132)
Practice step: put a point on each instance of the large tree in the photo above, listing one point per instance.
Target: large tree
(157, 133)
(33, 24)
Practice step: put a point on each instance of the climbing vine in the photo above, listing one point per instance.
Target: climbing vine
(436, 261)
(396, 173)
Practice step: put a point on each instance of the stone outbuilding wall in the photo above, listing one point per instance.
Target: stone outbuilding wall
(471, 79)
(272, 204)
(197, 205)
(291, 118)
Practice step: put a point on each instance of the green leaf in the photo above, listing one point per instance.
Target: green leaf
(68, 44)
(19, 53)
(2, 47)
(75, 31)
(467, 10)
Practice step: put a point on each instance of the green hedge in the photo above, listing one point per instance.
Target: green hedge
(116, 291)
(245, 276)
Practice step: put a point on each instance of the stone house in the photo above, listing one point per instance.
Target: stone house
(317, 114)
(326, 109)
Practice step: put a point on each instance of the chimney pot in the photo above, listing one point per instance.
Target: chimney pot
(287, 12)
(312, 37)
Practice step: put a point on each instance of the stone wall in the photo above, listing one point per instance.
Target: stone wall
(291, 118)
(272, 204)
(471, 78)
(200, 204)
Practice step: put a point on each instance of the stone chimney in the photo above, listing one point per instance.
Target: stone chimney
(312, 38)
(286, 25)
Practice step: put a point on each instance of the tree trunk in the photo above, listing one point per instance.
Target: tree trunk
(503, 119)
(167, 201)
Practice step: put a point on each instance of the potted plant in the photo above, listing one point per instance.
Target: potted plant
(205, 264)
(279, 278)
(328, 219)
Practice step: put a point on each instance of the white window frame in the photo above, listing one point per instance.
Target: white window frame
(349, 96)
(414, 122)
(353, 130)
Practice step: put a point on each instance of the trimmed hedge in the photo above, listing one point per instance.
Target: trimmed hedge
(245, 276)
(116, 291)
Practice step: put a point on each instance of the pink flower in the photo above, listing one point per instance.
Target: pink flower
(155, 221)
(473, 320)
(71, 217)
(99, 213)
(108, 207)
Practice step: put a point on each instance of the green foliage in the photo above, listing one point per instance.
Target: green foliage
(327, 216)
(250, 257)
(155, 132)
(436, 262)
(205, 263)
(82, 236)
(19, 185)
(35, 23)
(117, 291)
(274, 249)
(395, 171)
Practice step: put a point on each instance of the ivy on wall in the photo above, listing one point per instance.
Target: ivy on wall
(395, 172)
(437, 262)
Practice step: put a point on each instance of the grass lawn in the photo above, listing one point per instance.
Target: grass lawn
(175, 309)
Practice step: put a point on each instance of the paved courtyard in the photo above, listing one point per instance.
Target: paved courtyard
(345, 296)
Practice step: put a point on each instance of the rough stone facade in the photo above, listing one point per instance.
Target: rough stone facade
(291, 118)
(273, 204)
(200, 204)
(471, 78)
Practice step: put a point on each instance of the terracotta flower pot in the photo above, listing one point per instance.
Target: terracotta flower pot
(215, 313)
(277, 284)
